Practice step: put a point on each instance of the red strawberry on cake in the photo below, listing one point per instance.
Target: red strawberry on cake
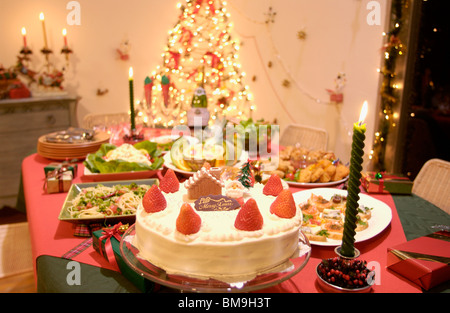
(153, 200)
(169, 183)
(188, 221)
(249, 217)
(273, 186)
(284, 205)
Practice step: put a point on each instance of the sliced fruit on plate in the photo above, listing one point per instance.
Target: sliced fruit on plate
(176, 154)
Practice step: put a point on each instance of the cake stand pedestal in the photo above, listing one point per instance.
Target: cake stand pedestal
(266, 279)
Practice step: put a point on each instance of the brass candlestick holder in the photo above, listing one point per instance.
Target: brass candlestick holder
(66, 51)
(46, 52)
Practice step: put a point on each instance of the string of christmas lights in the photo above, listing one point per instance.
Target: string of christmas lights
(393, 49)
(267, 23)
(279, 59)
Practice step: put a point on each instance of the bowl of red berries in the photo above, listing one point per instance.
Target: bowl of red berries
(342, 274)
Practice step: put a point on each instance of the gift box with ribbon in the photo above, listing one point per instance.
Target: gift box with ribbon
(58, 180)
(106, 241)
(381, 182)
(71, 166)
(424, 261)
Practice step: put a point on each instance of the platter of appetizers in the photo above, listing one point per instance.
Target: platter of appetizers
(324, 213)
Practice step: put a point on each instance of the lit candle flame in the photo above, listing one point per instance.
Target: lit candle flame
(64, 32)
(363, 114)
(130, 73)
(41, 16)
(24, 31)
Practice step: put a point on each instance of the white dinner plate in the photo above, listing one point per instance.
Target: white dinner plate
(316, 185)
(311, 185)
(381, 213)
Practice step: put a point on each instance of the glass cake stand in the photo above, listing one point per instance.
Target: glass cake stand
(269, 278)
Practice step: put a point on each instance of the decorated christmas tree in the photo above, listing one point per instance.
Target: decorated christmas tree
(246, 176)
(201, 54)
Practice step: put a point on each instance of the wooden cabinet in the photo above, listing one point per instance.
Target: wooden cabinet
(22, 122)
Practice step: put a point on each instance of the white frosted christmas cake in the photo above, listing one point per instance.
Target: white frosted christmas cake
(237, 231)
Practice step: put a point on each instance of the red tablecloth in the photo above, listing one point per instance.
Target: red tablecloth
(372, 250)
(49, 236)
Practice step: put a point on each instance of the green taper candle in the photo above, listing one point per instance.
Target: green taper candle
(354, 181)
(130, 79)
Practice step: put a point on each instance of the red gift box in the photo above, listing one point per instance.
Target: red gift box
(19, 90)
(424, 261)
(106, 241)
(386, 183)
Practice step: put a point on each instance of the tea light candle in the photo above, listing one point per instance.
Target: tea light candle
(354, 181)
(131, 87)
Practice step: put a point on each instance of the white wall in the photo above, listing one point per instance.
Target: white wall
(339, 39)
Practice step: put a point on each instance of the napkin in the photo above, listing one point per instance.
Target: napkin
(424, 261)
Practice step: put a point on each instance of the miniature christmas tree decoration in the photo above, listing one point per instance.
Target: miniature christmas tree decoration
(246, 175)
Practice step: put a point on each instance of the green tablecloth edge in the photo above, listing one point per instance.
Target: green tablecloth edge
(53, 273)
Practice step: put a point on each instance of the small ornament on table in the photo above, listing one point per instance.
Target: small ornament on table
(107, 234)
(51, 79)
(246, 176)
(10, 86)
(234, 189)
(23, 67)
(58, 180)
(19, 90)
(382, 182)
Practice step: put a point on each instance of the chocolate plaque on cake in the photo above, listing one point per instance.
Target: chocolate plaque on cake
(216, 203)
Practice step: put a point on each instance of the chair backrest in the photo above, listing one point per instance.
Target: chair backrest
(308, 137)
(104, 120)
(433, 183)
